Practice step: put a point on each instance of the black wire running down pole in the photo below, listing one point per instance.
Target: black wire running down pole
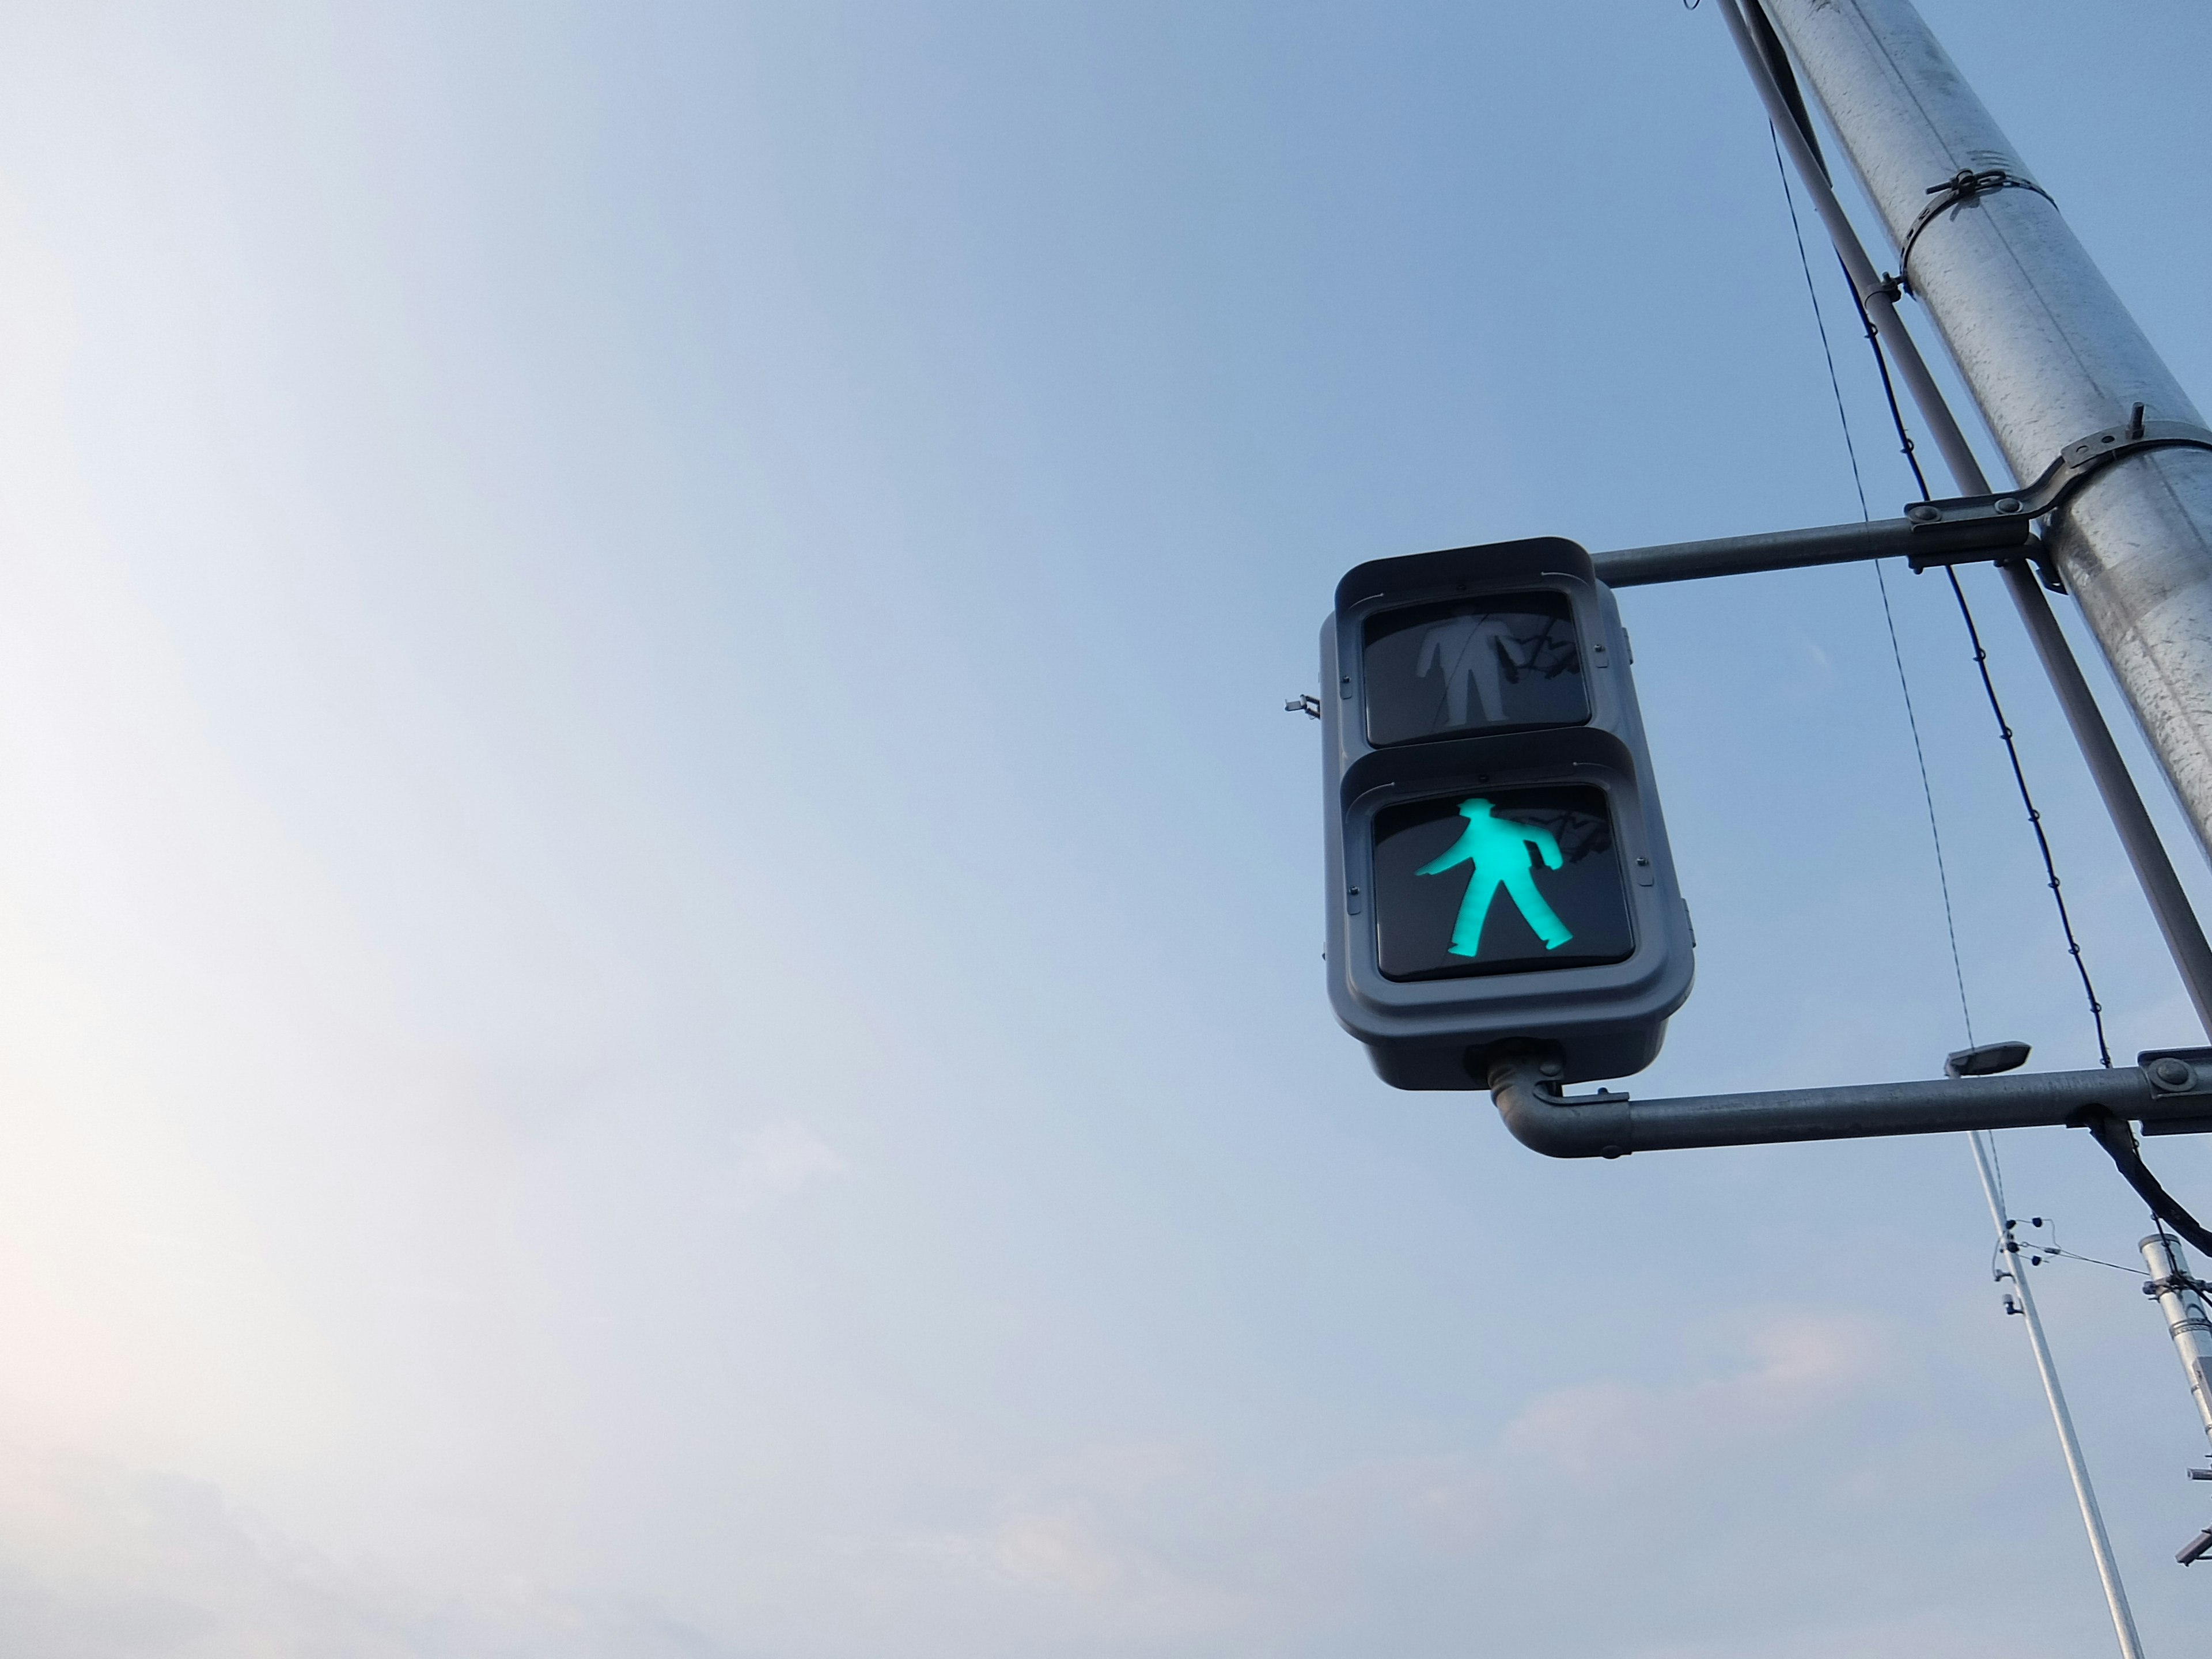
(2034, 817)
(1881, 582)
(1996, 708)
(2118, 1141)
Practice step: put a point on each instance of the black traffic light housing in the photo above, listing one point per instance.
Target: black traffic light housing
(1498, 870)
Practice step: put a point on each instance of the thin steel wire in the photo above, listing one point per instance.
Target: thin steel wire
(1996, 708)
(1881, 583)
(2035, 819)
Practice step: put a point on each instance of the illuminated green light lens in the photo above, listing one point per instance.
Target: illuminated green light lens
(1512, 880)
(1498, 849)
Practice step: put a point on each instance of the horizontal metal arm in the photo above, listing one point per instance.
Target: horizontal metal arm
(2167, 1090)
(1986, 537)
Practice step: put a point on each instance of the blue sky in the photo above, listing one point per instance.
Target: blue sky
(661, 928)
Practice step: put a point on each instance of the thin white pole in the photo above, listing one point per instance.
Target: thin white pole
(2093, 1519)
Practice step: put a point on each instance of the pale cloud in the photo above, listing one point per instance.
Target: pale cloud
(780, 1158)
(1111, 1548)
(1941, 1631)
(1092, 1552)
(1153, 1541)
(1077, 1569)
(1800, 1366)
(102, 1561)
(1060, 1549)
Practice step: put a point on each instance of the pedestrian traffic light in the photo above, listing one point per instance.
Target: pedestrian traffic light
(1498, 867)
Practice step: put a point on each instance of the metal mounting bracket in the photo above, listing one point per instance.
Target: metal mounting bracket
(2074, 465)
(2178, 1072)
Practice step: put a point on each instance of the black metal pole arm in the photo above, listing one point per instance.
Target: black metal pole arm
(1973, 539)
(1612, 1125)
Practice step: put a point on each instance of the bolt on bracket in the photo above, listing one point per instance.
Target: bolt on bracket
(2074, 465)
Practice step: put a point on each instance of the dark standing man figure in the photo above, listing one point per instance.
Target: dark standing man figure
(1476, 650)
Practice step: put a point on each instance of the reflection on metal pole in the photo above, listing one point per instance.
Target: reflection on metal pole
(2177, 920)
(2046, 346)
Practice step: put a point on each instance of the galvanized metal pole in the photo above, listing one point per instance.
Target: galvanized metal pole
(2177, 920)
(2169, 904)
(2092, 1518)
(2048, 351)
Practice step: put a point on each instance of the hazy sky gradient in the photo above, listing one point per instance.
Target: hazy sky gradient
(658, 931)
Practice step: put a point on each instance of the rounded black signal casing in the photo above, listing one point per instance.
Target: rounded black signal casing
(1497, 674)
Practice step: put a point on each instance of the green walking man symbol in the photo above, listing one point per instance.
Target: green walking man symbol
(1498, 849)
